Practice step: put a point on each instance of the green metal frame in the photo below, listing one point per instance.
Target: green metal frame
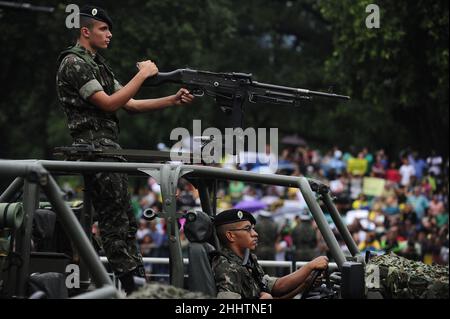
(167, 175)
(36, 177)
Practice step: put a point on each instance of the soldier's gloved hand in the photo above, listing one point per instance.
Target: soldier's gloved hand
(147, 68)
(319, 263)
(265, 295)
(183, 96)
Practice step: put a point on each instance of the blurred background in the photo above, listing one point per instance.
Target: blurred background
(397, 75)
(384, 153)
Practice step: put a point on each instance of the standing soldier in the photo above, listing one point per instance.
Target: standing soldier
(90, 95)
(268, 231)
(304, 239)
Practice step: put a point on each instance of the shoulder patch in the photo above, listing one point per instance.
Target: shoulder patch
(73, 58)
(214, 255)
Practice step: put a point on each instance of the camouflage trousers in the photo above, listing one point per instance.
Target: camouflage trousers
(116, 221)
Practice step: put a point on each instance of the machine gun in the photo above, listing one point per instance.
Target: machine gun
(232, 90)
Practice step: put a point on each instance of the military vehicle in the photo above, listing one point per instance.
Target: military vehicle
(33, 212)
(28, 273)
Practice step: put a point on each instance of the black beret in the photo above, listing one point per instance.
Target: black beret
(96, 13)
(233, 216)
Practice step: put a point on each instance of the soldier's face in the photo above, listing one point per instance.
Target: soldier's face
(245, 235)
(100, 35)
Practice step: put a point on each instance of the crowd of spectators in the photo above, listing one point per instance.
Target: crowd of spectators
(409, 216)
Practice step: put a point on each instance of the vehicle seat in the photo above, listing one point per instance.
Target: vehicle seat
(52, 285)
(199, 231)
(44, 221)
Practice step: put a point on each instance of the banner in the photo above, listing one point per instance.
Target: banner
(357, 166)
(373, 186)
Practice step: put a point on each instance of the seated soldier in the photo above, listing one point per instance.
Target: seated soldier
(237, 273)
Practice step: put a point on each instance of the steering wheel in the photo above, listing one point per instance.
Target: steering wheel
(314, 275)
(305, 288)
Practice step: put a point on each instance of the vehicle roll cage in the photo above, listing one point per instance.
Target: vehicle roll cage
(32, 176)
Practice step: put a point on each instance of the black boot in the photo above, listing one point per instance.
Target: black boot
(127, 282)
(139, 271)
(133, 280)
(139, 276)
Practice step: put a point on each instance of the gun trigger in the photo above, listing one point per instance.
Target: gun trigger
(198, 93)
(225, 109)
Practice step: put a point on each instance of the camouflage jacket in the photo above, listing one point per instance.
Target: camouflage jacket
(81, 74)
(267, 230)
(236, 280)
(304, 236)
(399, 278)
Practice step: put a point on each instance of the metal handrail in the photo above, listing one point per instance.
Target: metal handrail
(167, 175)
(264, 263)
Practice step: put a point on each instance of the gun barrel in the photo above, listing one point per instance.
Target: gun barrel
(292, 90)
(331, 95)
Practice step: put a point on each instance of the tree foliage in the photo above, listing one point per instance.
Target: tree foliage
(398, 72)
(397, 75)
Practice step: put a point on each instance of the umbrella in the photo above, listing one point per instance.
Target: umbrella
(293, 140)
(263, 169)
(269, 200)
(289, 210)
(286, 166)
(251, 205)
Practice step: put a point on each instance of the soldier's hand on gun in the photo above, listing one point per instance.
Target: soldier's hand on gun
(319, 263)
(183, 96)
(148, 68)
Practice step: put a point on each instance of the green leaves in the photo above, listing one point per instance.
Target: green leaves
(397, 75)
(395, 69)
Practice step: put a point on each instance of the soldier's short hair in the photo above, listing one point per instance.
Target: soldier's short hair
(222, 231)
(86, 22)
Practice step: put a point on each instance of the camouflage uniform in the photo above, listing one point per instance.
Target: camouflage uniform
(305, 241)
(400, 278)
(235, 280)
(81, 74)
(268, 232)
